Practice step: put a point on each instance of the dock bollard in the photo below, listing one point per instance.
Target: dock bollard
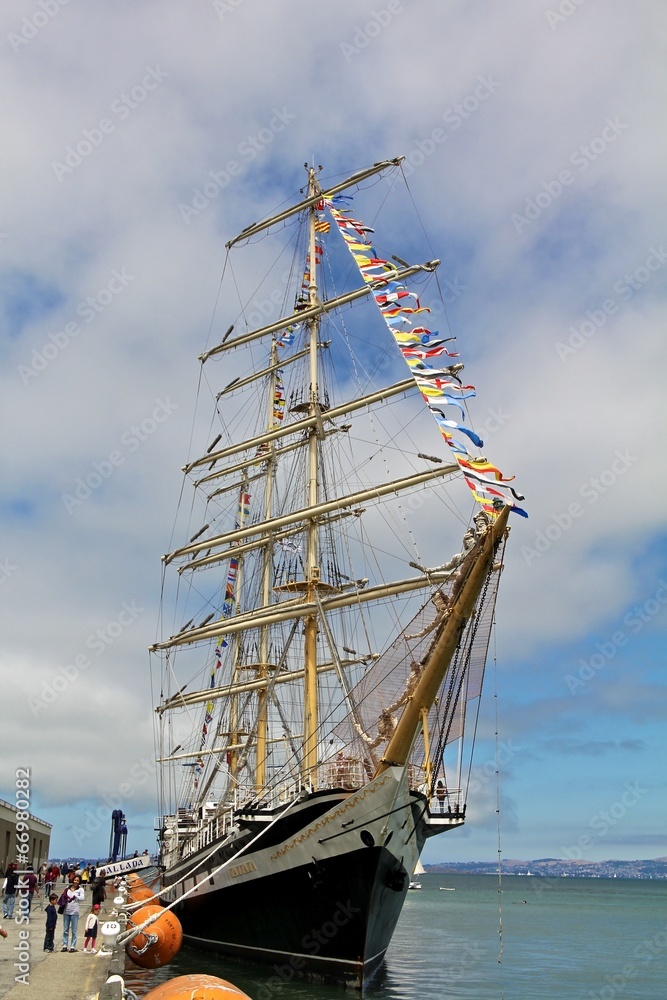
(110, 931)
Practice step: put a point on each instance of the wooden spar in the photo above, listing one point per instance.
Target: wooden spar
(296, 426)
(400, 745)
(317, 510)
(315, 194)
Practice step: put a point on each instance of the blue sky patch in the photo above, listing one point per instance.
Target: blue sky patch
(25, 299)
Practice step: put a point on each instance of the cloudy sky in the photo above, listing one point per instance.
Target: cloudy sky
(535, 145)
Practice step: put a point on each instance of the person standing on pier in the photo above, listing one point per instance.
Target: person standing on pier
(99, 890)
(91, 930)
(9, 891)
(30, 883)
(51, 921)
(73, 899)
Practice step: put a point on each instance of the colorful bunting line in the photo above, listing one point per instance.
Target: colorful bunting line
(243, 512)
(418, 345)
(278, 403)
(286, 338)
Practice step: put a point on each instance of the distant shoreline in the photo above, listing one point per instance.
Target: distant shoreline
(557, 868)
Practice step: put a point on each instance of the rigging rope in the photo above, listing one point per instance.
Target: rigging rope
(497, 769)
(128, 935)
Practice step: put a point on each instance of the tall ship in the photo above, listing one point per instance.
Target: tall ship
(328, 610)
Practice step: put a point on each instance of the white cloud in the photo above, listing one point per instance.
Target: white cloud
(552, 91)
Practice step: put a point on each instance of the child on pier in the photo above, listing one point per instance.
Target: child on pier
(91, 930)
(51, 921)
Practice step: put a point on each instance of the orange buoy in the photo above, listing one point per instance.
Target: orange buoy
(142, 892)
(196, 987)
(158, 944)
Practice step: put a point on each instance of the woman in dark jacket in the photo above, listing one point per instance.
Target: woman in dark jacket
(99, 892)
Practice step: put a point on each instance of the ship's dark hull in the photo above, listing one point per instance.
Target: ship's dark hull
(335, 921)
(322, 900)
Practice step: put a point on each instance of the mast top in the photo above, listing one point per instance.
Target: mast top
(258, 227)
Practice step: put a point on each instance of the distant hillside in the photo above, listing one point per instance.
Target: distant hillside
(556, 867)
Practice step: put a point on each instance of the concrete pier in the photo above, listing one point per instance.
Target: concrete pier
(58, 975)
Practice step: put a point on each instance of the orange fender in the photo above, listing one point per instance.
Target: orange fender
(196, 987)
(158, 944)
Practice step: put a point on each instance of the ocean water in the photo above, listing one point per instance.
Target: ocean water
(567, 939)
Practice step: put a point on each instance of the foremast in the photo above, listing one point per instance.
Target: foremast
(310, 721)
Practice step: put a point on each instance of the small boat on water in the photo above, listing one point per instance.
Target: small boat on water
(419, 870)
(312, 691)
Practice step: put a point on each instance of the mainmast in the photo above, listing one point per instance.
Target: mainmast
(310, 720)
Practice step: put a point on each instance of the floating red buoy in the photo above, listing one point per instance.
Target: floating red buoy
(197, 987)
(158, 944)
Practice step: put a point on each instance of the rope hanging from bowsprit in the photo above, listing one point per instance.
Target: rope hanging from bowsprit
(501, 946)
